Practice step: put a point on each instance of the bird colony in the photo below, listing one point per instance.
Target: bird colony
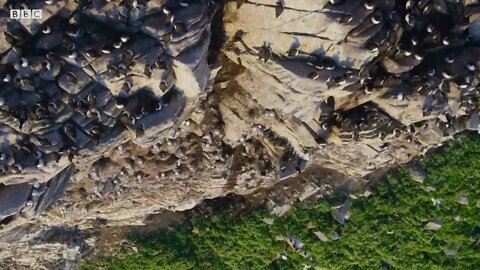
(114, 110)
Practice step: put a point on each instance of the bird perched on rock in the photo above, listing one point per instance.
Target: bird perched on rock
(265, 53)
(280, 6)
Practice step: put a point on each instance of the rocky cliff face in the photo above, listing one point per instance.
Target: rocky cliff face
(113, 110)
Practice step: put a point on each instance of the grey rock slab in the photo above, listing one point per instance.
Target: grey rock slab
(55, 189)
(49, 42)
(474, 122)
(417, 172)
(161, 121)
(474, 30)
(13, 199)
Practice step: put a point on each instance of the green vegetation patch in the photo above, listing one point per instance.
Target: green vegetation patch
(385, 230)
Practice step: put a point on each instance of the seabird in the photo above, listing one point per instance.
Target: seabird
(16, 168)
(92, 53)
(128, 56)
(471, 67)
(52, 107)
(160, 63)
(444, 87)
(72, 55)
(345, 18)
(96, 130)
(265, 52)
(46, 30)
(70, 131)
(74, 32)
(107, 48)
(72, 78)
(410, 19)
(240, 3)
(449, 59)
(164, 86)
(147, 71)
(119, 104)
(356, 134)
(92, 99)
(377, 18)
(292, 52)
(313, 75)
(239, 34)
(446, 41)
(23, 62)
(158, 106)
(184, 3)
(180, 27)
(46, 65)
(127, 119)
(127, 86)
(279, 8)
(82, 106)
(414, 41)
(117, 44)
(328, 63)
(447, 75)
(7, 78)
(124, 38)
(140, 131)
(139, 113)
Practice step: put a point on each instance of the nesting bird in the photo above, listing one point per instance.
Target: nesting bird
(265, 53)
(280, 6)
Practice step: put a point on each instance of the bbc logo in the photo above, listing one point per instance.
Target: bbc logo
(25, 14)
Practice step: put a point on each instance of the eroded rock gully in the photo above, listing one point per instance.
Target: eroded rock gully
(114, 110)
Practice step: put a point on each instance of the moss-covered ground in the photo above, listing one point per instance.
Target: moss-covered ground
(386, 229)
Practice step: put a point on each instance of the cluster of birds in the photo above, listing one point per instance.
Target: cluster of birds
(58, 79)
(198, 152)
(424, 48)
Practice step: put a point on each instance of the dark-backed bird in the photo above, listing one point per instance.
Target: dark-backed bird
(164, 86)
(72, 78)
(279, 8)
(265, 53)
(92, 99)
(240, 3)
(160, 63)
(180, 27)
(82, 106)
(292, 52)
(70, 131)
(139, 131)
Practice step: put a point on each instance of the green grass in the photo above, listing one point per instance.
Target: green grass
(387, 226)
